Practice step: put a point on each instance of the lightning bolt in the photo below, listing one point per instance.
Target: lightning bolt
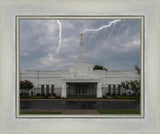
(85, 30)
(100, 28)
(60, 36)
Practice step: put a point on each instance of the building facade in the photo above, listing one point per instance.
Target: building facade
(79, 80)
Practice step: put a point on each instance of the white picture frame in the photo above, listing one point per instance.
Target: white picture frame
(77, 17)
(9, 123)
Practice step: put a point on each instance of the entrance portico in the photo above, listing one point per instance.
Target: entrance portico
(81, 88)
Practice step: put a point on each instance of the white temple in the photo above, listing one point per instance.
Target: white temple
(78, 81)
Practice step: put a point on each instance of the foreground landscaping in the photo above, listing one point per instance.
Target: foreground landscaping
(40, 97)
(104, 97)
(39, 112)
(102, 111)
(119, 111)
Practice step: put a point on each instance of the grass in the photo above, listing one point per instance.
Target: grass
(119, 111)
(102, 111)
(39, 112)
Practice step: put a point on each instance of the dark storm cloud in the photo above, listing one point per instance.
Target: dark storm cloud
(116, 47)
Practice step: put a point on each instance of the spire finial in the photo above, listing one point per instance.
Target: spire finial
(81, 36)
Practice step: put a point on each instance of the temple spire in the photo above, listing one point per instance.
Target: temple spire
(81, 57)
(81, 36)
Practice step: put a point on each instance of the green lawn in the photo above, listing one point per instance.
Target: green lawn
(103, 111)
(39, 112)
(119, 111)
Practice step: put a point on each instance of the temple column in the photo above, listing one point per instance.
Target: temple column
(45, 89)
(116, 89)
(64, 91)
(107, 88)
(49, 89)
(99, 90)
(111, 89)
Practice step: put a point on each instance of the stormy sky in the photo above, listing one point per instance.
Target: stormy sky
(116, 47)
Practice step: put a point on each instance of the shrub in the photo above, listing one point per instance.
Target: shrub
(110, 97)
(21, 94)
(113, 94)
(51, 97)
(32, 93)
(26, 94)
(108, 94)
(38, 94)
(57, 96)
(46, 96)
(129, 94)
(133, 94)
(124, 94)
(118, 94)
(54, 94)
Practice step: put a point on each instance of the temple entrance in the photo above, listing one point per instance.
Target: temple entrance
(81, 90)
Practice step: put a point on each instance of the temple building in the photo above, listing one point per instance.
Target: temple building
(79, 80)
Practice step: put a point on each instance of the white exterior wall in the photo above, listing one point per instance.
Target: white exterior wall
(39, 78)
(80, 71)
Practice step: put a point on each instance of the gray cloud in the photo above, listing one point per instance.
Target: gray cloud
(116, 47)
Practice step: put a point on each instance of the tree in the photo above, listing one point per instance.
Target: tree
(99, 67)
(133, 85)
(125, 85)
(26, 85)
(22, 86)
(137, 69)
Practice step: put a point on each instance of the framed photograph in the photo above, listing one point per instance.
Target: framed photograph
(67, 77)
(79, 67)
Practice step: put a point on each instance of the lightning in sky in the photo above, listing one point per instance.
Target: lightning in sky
(60, 36)
(85, 30)
(100, 28)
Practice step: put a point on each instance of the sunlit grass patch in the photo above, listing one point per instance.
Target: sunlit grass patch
(39, 112)
(119, 111)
